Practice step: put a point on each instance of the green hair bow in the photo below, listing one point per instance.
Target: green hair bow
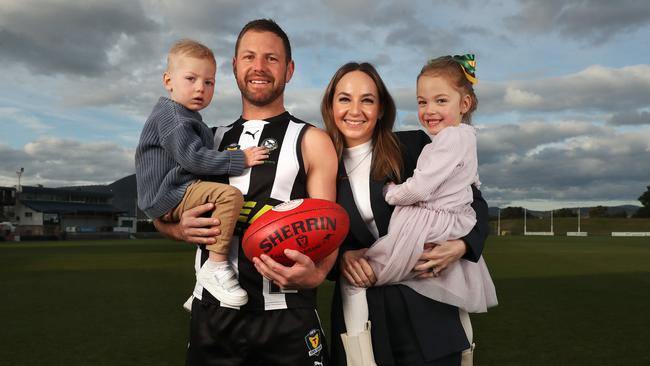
(468, 63)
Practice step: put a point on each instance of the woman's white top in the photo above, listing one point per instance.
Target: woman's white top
(357, 161)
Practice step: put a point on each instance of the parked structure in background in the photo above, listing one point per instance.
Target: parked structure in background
(81, 212)
(55, 213)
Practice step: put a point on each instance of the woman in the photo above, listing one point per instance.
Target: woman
(407, 328)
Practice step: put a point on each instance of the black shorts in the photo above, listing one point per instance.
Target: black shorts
(227, 337)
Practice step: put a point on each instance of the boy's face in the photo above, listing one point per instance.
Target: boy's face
(190, 81)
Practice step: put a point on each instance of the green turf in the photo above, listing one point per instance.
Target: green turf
(563, 301)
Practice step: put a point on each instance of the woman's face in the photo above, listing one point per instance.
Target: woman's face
(355, 107)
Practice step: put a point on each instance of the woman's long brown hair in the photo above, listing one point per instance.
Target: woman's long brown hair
(386, 157)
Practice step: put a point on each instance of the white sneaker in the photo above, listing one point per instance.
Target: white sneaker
(187, 305)
(223, 285)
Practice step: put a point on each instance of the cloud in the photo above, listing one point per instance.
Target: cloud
(506, 142)
(57, 162)
(13, 116)
(591, 21)
(562, 161)
(521, 98)
(52, 36)
(630, 118)
(596, 88)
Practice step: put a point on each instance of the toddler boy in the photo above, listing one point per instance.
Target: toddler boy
(176, 152)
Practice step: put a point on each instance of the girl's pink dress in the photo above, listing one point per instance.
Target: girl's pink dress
(433, 206)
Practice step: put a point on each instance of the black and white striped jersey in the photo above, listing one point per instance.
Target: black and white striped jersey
(281, 178)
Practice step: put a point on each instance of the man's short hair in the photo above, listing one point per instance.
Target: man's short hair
(265, 25)
(190, 48)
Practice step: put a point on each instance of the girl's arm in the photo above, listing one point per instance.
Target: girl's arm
(436, 163)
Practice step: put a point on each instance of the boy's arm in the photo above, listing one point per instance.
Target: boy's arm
(321, 166)
(184, 144)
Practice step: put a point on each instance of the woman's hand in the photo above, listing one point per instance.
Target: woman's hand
(356, 269)
(192, 228)
(437, 257)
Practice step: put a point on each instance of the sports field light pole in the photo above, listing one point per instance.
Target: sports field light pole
(552, 223)
(19, 172)
(499, 221)
(135, 217)
(525, 221)
(578, 219)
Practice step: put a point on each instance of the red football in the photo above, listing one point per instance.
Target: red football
(312, 226)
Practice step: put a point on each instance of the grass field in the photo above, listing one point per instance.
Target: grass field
(563, 301)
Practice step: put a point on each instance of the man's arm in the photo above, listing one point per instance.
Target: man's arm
(321, 167)
(192, 228)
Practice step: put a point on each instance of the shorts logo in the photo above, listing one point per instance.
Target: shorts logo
(313, 340)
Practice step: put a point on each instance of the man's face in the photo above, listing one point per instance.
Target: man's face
(261, 68)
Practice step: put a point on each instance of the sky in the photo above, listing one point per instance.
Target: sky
(564, 85)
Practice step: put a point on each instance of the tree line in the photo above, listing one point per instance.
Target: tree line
(597, 211)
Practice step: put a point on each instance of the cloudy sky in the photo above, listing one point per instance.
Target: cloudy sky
(564, 91)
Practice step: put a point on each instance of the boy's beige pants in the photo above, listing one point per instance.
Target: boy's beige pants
(227, 200)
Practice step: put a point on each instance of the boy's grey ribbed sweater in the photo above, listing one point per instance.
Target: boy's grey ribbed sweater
(175, 149)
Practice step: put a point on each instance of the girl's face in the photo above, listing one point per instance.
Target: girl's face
(356, 107)
(440, 105)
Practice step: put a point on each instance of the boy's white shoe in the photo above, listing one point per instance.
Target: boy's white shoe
(221, 281)
(187, 305)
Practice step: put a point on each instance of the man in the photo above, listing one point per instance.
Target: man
(279, 325)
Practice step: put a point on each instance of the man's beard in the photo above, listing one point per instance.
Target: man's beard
(260, 99)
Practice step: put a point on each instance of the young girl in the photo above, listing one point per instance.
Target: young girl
(432, 206)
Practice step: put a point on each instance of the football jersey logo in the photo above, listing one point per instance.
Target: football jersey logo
(233, 146)
(251, 133)
(270, 143)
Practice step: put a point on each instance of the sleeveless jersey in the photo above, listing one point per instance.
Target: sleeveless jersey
(281, 178)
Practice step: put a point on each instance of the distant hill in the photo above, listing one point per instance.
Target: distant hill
(125, 195)
(584, 211)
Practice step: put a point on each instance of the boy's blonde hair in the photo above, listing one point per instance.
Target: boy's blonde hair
(189, 48)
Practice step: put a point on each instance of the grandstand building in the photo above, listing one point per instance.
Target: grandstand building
(60, 212)
(78, 212)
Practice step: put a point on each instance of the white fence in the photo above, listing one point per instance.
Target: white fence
(576, 233)
(539, 233)
(630, 233)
